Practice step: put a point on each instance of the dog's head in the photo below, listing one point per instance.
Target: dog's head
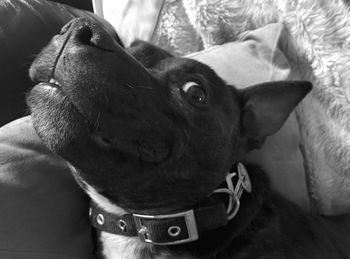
(147, 130)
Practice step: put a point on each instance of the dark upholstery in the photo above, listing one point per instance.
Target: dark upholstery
(81, 4)
(43, 212)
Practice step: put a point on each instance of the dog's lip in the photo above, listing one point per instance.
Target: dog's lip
(54, 82)
(49, 86)
(51, 82)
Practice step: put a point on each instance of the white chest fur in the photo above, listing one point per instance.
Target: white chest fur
(116, 246)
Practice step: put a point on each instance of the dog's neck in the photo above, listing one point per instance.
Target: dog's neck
(115, 246)
(213, 242)
(118, 246)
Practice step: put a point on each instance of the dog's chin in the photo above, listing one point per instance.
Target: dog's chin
(54, 117)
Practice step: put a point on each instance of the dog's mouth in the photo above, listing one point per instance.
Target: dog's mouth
(138, 148)
(54, 83)
(51, 83)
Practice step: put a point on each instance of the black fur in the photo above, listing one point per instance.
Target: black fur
(127, 121)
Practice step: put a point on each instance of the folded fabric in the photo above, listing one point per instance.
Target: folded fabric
(131, 19)
(164, 23)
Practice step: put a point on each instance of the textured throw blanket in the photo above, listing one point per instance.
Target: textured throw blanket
(316, 41)
(317, 44)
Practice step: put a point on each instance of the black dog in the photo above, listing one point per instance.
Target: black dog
(151, 138)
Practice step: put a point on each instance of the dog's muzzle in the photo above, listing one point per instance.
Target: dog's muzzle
(182, 227)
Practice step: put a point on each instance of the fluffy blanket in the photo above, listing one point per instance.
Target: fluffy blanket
(317, 43)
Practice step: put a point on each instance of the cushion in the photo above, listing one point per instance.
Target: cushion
(256, 58)
(44, 213)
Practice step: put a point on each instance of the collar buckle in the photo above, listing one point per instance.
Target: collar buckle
(177, 228)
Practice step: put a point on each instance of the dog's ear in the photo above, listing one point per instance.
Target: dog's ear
(265, 108)
(146, 53)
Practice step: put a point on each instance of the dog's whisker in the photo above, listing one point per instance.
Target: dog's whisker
(96, 123)
(106, 97)
(139, 86)
(145, 87)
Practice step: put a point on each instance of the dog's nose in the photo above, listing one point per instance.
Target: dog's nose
(83, 34)
(89, 32)
(79, 30)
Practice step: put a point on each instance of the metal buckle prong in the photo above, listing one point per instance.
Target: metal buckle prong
(188, 216)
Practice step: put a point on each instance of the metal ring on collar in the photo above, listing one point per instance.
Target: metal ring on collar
(234, 203)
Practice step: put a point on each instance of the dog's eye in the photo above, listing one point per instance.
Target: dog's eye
(194, 92)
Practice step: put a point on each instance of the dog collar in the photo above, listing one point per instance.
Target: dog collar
(177, 228)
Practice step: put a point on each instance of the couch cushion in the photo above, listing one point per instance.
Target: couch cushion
(43, 212)
(254, 59)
